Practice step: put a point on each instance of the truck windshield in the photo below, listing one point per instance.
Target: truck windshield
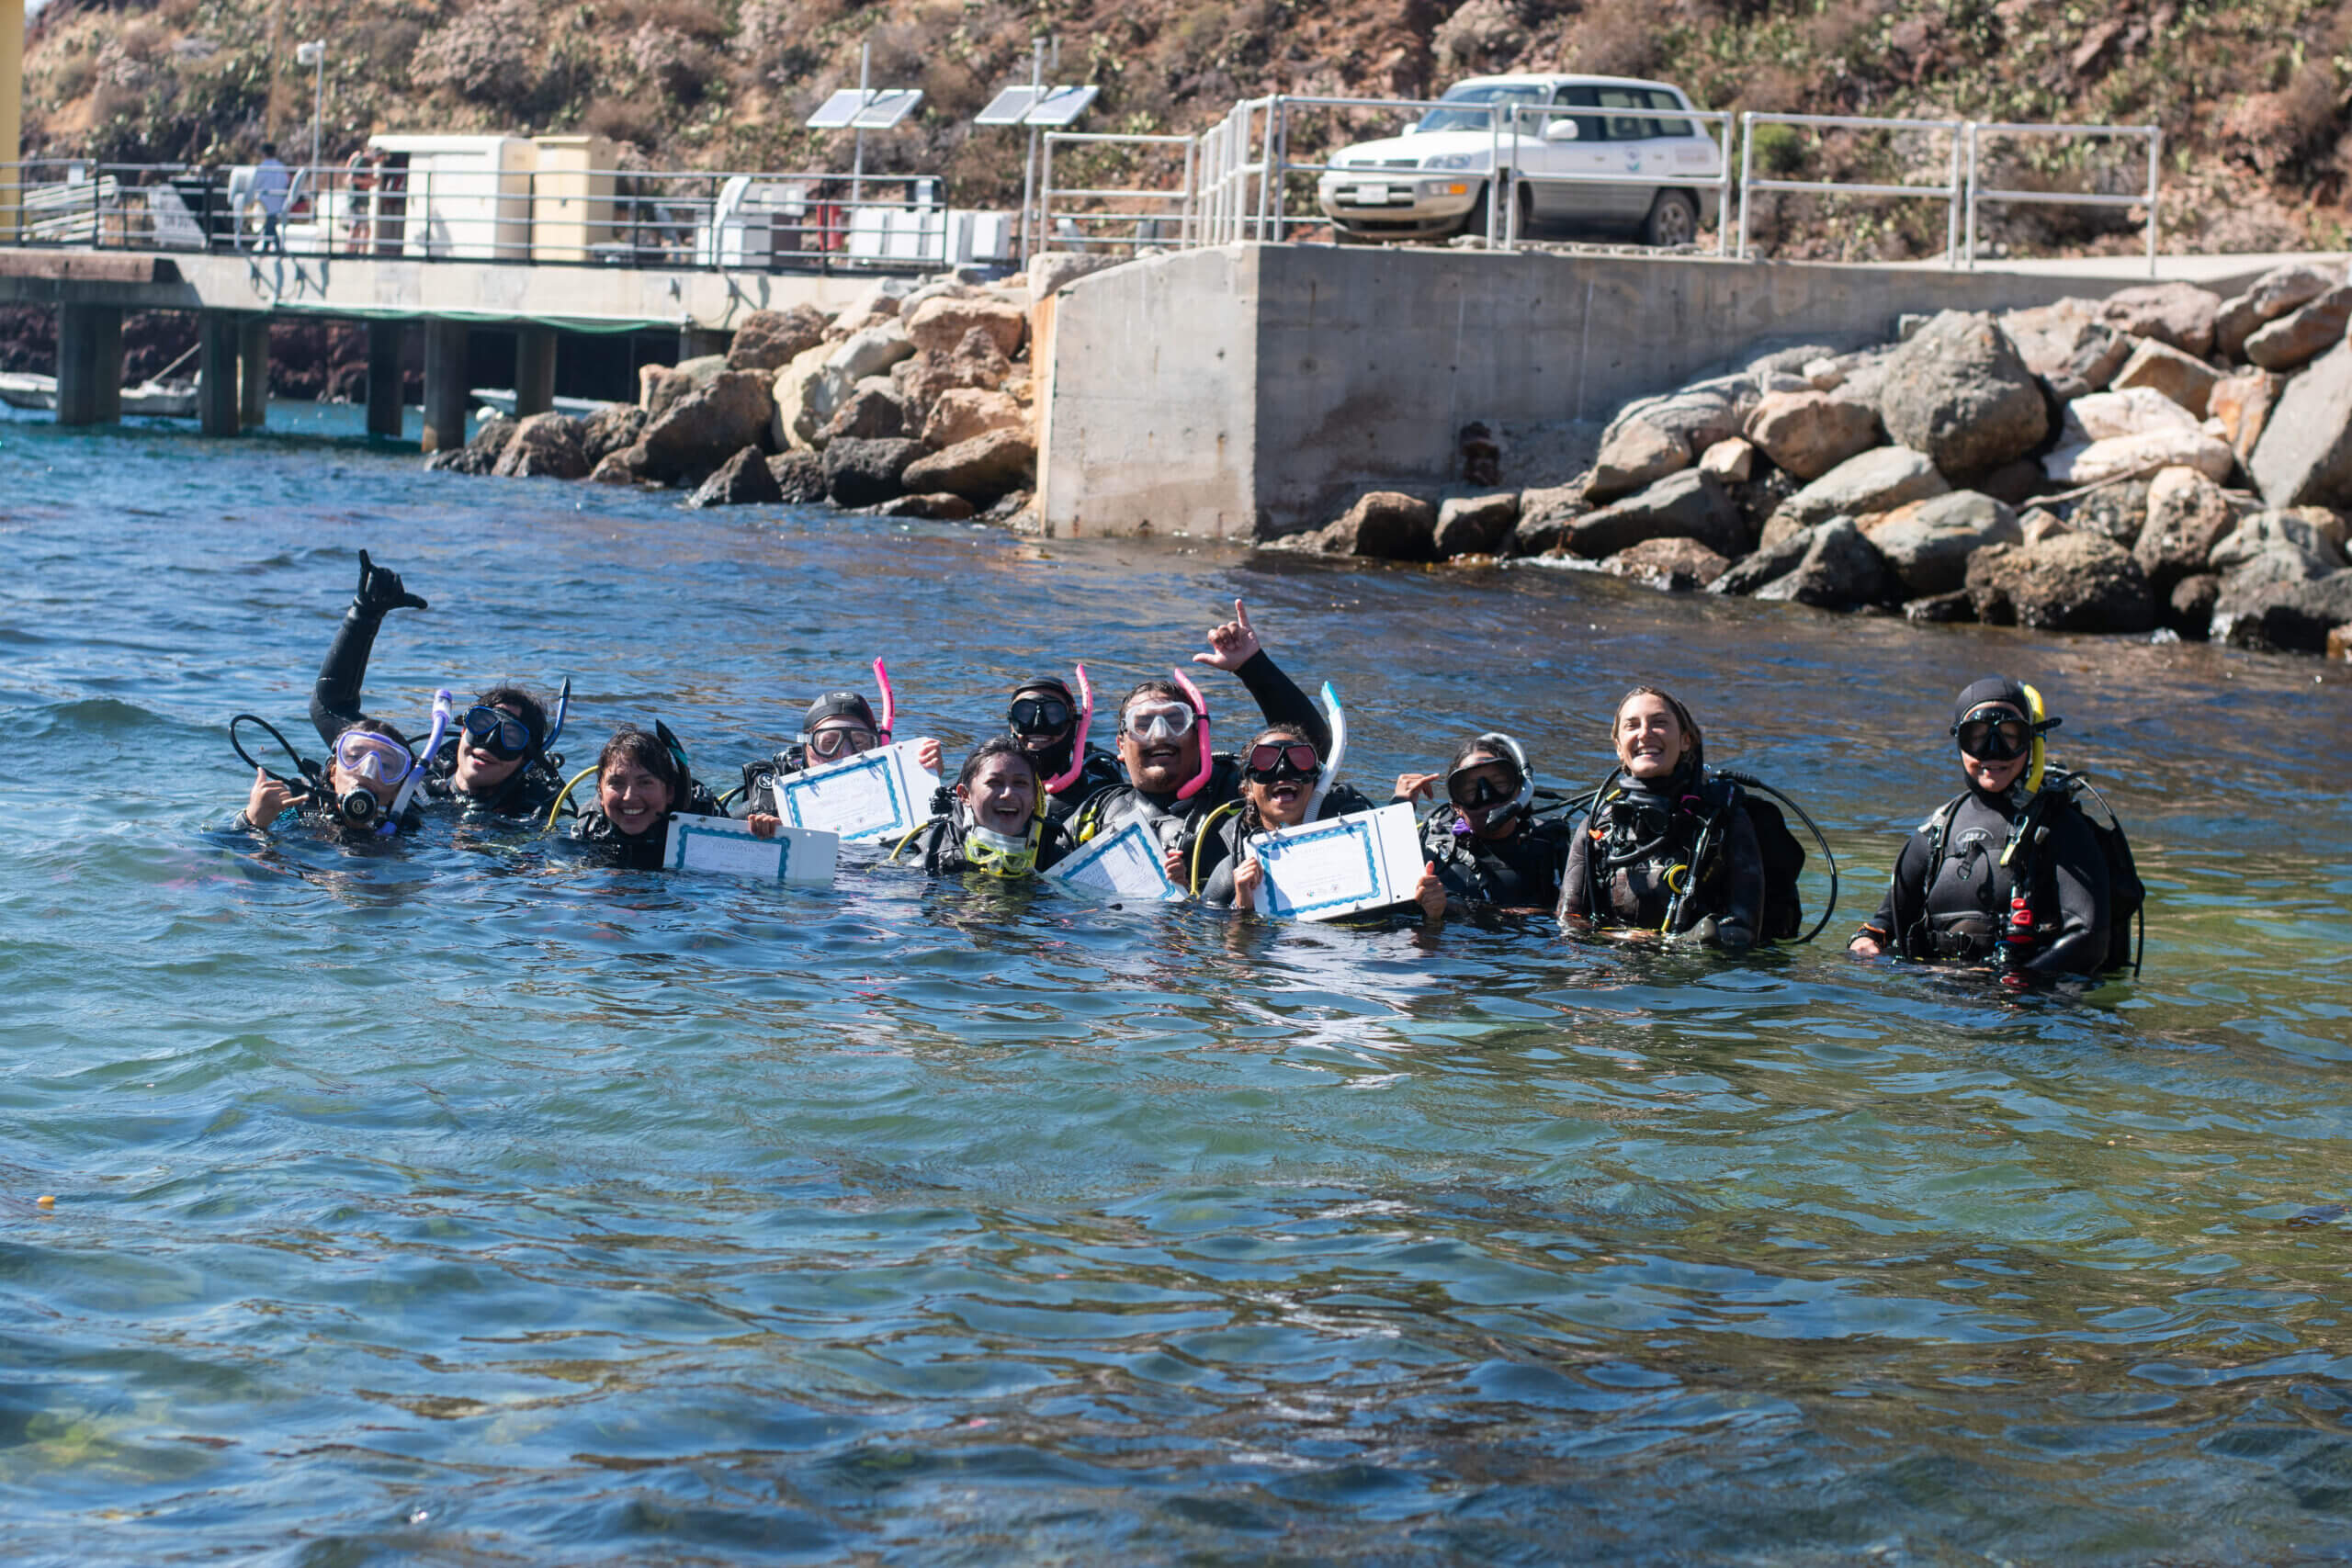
(1459, 109)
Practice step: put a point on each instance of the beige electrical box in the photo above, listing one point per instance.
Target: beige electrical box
(572, 198)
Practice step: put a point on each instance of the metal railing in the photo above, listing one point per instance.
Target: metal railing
(1951, 192)
(797, 220)
(1979, 193)
(1152, 223)
(1231, 204)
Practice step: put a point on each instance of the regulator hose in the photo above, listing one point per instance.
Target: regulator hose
(1750, 781)
(307, 772)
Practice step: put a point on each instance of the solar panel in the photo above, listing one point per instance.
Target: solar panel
(1061, 106)
(838, 110)
(890, 105)
(1008, 106)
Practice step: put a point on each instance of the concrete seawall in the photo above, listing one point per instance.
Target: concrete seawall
(1253, 391)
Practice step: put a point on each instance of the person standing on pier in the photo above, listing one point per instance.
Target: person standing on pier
(272, 184)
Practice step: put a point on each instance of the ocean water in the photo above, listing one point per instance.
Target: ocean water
(465, 1202)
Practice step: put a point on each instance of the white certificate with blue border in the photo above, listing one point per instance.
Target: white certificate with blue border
(1322, 871)
(884, 793)
(1125, 864)
(722, 844)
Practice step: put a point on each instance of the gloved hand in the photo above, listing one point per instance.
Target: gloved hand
(1727, 934)
(381, 590)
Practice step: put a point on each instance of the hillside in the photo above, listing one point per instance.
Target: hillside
(2251, 94)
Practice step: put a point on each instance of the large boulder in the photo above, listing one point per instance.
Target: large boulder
(2069, 582)
(799, 476)
(2124, 456)
(872, 412)
(1679, 566)
(872, 351)
(659, 385)
(1051, 271)
(1475, 525)
(743, 480)
(1877, 480)
(479, 455)
(862, 473)
(2316, 547)
(808, 393)
(2120, 511)
(769, 340)
(2187, 515)
(1731, 462)
(610, 428)
(621, 466)
(1698, 416)
(878, 302)
(2068, 346)
(2302, 336)
(2274, 294)
(980, 470)
(545, 446)
(2178, 313)
(2136, 411)
(2264, 604)
(2189, 608)
(1927, 543)
(1544, 513)
(2304, 457)
(711, 424)
(1635, 455)
(1775, 558)
(1383, 526)
(1838, 569)
(1959, 392)
(1811, 433)
(2160, 367)
(960, 414)
(1688, 505)
(2242, 404)
(977, 363)
(938, 325)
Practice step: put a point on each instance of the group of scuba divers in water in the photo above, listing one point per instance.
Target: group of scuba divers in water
(2013, 873)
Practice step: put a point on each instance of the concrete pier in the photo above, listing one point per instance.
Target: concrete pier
(253, 372)
(386, 340)
(446, 397)
(89, 365)
(534, 371)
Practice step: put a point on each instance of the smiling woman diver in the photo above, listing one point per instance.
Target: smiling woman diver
(642, 781)
(994, 824)
(1280, 773)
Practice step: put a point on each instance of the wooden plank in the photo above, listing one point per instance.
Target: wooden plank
(86, 267)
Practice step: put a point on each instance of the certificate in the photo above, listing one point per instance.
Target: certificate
(729, 847)
(1125, 864)
(879, 793)
(1320, 870)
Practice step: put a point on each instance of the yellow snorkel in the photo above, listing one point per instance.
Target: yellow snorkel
(2038, 715)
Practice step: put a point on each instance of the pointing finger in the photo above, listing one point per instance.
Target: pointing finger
(1241, 614)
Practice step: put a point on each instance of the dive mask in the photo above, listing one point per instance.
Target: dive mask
(1477, 792)
(999, 854)
(1275, 760)
(1160, 721)
(1998, 734)
(498, 732)
(841, 741)
(379, 758)
(1039, 715)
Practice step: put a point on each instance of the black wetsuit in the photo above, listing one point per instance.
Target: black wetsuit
(314, 814)
(1955, 906)
(1101, 771)
(527, 792)
(941, 841)
(1520, 871)
(644, 850)
(1176, 823)
(1636, 847)
(1222, 849)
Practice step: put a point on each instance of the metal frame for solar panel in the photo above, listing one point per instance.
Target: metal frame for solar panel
(1009, 107)
(1060, 107)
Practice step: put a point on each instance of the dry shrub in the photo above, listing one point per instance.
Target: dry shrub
(1616, 37)
(1835, 28)
(623, 120)
(2271, 130)
(74, 75)
(675, 64)
(698, 19)
(485, 53)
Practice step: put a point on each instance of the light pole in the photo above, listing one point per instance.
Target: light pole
(314, 54)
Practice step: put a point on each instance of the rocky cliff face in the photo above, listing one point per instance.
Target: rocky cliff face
(2251, 94)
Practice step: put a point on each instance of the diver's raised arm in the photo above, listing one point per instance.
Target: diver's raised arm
(335, 698)
(1235, 648)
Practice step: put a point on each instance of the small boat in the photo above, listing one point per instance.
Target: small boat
(501, 399)
(172, 400)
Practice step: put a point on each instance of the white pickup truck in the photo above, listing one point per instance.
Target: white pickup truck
(1432, 181)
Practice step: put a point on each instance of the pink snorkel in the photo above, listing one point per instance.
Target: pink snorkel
(1200, 727)
(1062, 781)
(889, 699)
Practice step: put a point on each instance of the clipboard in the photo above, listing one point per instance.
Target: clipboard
(879, 793)
(1320, 870)
(1125, 864)
(799, 855)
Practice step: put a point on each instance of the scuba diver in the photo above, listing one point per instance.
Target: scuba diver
(1491, 850)
(642, 781)
(1051, 726)
(838, 726)
(1173, 780)
(2011, 872)
(1667, 847)
(995, 822)
(369, 785)
(1284, 783)
(500, 758)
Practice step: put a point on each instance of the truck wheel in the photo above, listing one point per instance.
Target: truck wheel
(1673, 220)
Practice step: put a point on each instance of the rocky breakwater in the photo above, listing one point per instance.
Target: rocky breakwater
(2161, 460)
(916, 401)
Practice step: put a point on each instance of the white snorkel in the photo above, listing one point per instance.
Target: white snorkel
(444, 713)
(1337, 717)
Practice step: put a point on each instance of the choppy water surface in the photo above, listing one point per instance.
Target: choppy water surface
(466, 1203)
